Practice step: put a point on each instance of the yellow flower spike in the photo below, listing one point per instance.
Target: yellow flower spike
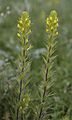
(24, 25)
(52, 23)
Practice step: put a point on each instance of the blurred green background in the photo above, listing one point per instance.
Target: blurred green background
(10, 10)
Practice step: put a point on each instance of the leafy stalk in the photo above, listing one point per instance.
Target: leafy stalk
(24, 24)
(51, 29)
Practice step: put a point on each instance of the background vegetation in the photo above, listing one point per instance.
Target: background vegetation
(10, 48)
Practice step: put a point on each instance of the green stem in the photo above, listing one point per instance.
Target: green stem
(19, 99)
(20, 87)
(46, 78)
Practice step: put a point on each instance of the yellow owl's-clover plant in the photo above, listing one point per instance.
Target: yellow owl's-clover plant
(24, 30)
(49, 57)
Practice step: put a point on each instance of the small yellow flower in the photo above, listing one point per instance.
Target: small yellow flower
(47, 19)
(22, 29)
(55, 21)
(26, 40)
(20, 21)
(51, 18)
(18, 25)
(29, 23)
(47, 30)
(48, 22)
(52, 28)
(18, 35)
(26, 19)
(57, 24)
(56, 33)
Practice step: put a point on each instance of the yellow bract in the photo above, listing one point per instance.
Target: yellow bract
(18, 35)
(51, 18)
(52, 23)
